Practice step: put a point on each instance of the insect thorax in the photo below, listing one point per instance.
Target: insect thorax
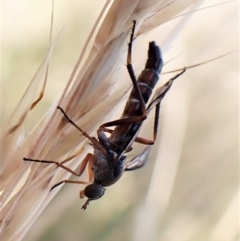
(107, 170)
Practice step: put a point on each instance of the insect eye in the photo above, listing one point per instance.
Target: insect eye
(94, 191)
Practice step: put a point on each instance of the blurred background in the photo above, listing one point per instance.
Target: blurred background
(189, 189)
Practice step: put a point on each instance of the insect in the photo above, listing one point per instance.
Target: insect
(108, 162)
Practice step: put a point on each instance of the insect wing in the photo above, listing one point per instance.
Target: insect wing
(139, 160)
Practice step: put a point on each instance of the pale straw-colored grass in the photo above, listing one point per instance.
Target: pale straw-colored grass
(95, 92)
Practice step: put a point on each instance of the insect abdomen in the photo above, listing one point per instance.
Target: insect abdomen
(146, 80)
(123, 134)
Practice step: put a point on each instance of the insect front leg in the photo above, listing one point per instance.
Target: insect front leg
(88, 158)
(59, 164)
(68, 181)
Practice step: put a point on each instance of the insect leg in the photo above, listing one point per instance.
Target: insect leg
(159, 95)
(93, 140)
(126, 121)
(79, 173)
(137, 139)
(161, 91)
(89, 158)
(68, 181)
(131, 72)
(90, 178)
(130, 120)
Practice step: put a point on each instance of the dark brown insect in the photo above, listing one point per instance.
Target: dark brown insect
(108, 162)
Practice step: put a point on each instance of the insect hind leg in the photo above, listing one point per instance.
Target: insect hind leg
(132, 74)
